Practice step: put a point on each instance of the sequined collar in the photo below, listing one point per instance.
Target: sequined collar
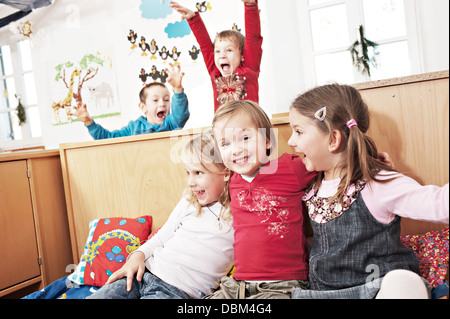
(321, 210)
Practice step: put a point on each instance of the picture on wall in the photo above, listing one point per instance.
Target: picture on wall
(88, 81)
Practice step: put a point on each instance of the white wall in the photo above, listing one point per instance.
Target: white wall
(71, 28)
(433, 21)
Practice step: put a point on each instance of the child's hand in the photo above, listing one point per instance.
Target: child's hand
(185, 12)
(82, 114)
(175, 78)
(386, 159)
(249, 2)
(135, 264)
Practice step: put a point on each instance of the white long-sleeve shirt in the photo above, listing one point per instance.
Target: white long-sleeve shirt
(190, 252)
(402, 196)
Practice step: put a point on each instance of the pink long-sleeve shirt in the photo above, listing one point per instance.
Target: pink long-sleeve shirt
(402, 196)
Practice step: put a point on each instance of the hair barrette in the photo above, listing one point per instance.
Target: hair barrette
(321, 114)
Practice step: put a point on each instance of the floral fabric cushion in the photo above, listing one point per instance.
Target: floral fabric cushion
(432, 251)
(108, 245)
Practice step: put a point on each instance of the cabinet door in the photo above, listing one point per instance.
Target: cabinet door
(18, 253)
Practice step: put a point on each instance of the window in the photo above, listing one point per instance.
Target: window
(17, 82)
(334, 26)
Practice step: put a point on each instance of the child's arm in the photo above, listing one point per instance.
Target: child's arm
(185, 12)
(200, 32)
(134, 265)
(180, 106)
(97, 131)
(253, 38)
(305, 178)
(405, 197)
(179, 114)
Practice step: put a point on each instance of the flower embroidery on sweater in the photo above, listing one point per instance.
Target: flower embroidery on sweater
(263, 203)
(230, 88)
(322, 211)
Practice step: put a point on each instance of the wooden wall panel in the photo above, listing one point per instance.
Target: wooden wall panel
(411, 123)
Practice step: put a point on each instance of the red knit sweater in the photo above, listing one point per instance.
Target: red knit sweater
(268, 220)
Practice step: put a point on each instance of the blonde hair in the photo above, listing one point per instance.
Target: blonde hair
(202, 150)
(254, 113)
(344, 103)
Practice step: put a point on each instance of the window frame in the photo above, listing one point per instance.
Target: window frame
(355, 17)
(18, 75)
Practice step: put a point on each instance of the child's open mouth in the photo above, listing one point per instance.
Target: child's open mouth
(226, 68)
(161, 114)
(199, 193)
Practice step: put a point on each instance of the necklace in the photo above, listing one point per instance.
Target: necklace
(219, 222)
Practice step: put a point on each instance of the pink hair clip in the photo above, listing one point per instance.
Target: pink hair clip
(351, 123)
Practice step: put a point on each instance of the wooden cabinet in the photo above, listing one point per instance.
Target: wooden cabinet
(34, 231)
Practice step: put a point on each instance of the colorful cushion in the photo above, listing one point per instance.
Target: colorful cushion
(432, 251)
(108, 245)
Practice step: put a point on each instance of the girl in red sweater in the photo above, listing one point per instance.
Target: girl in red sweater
(270, 245)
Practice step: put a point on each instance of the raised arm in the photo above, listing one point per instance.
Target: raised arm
(253, 38)
(200, 32)
(185, 12)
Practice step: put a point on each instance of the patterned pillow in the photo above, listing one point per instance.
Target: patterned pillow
(108, 245)
(432, 251)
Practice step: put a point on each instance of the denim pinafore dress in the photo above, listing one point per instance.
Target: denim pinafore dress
(351, 248)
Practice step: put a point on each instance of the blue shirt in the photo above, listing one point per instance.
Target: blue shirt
(176, 119)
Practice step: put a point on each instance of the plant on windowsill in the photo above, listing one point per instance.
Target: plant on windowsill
(360, 53)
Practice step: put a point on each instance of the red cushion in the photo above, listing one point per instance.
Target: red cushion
(109, 243)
